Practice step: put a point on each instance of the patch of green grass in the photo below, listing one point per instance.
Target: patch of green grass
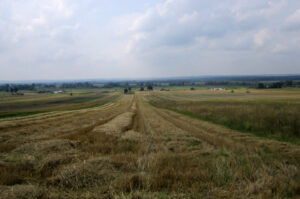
(15, 159)
(163, 195)
(222, 153)
(234, 126)
(194, 143)
(28, 113)
(240, 128)
(22, 114)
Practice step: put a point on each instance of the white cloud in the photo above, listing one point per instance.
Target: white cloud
(292, 22)
(295, 17)
(188, 18)
(39, 20)
(25, 19)
(234, 25)
(180, 22)
(171, 37)
(260, 37)
(279, 48)
(273, 7)
(136, 38)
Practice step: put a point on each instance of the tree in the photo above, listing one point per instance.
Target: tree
(32, 86)
(289, 83)
(276, 85)
(261, 85)
(7, 88)
(142, 88)
(150, 87)
(125, 90)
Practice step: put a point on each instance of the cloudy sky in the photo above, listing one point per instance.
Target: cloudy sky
(74, 39)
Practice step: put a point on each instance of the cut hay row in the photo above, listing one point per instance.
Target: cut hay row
(56, 126)
(47, 114)
(7, 123)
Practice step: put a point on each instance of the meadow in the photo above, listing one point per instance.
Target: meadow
(150, 144)
(268, 113)
(33, 103)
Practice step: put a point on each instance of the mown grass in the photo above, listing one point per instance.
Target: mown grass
(22, 114)
(88, 157)
(46, 101)
(62, 105)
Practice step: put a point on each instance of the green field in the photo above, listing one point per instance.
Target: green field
(268, 113)
(34, 103)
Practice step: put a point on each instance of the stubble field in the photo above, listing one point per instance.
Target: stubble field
(176, 144)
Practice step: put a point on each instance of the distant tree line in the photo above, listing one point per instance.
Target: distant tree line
(31, 87)
(251, 84)
(228, 83)
(14, 88)
(148, 85)
(78, 85)
(128, 90)
(112, 85)
(145, 84)
(280, 84)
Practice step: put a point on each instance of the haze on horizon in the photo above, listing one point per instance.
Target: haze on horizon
(72, 39)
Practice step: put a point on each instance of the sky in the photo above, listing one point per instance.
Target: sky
(75, 39)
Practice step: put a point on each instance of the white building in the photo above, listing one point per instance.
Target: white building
(218, 89)
(57, 92)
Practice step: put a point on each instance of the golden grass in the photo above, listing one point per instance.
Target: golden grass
(33, 106)
(133, 150)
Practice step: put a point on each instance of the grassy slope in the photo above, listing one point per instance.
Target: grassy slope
(15, 106)
(270, 114)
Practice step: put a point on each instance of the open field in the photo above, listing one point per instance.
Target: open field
(29, 104)
(269, 113)
(152, 145)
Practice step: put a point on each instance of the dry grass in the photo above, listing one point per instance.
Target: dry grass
(132, 150)
(50, 102)
(22, 192)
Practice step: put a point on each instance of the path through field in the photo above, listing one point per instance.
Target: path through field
(130, 149)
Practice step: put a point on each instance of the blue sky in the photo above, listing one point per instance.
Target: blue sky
(72, 39)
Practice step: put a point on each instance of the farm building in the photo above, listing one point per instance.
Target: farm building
(57, 92)
(217, 89)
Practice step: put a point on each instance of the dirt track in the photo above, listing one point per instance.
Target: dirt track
(131, 147)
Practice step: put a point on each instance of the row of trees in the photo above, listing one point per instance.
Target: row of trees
(128, 90)
(275, 84)
(78, 85)
(250, 84)
(16, 87)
